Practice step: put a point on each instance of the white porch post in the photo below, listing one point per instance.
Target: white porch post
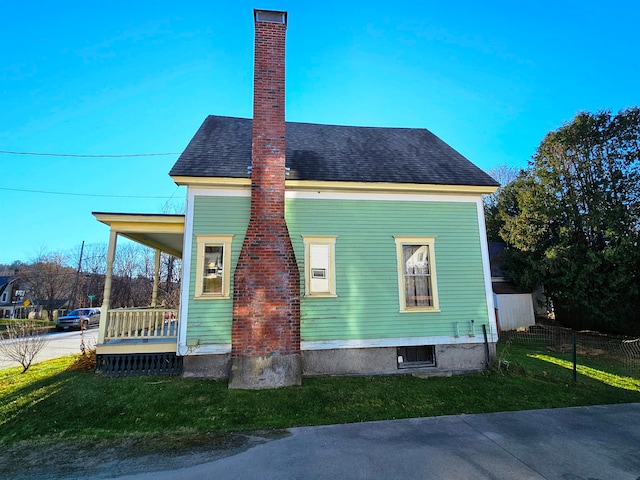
(104, 313)
(156, 280)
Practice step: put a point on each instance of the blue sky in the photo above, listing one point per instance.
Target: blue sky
(107, 78)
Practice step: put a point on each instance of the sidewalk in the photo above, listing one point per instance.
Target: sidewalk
(598, 442)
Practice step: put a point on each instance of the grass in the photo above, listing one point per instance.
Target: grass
(50, 406)
(51, 402)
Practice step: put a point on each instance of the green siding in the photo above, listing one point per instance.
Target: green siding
(210, 320)
(367, 305)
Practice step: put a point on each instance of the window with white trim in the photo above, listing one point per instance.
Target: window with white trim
(417, 284)
(319, 266)
(5, 297)
(213, 262)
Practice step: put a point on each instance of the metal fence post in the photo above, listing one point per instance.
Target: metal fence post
(575, 358)
(486, 345)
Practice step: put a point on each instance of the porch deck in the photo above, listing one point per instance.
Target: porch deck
(138, 330)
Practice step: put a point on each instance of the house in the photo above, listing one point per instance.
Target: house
(11, 297)
(6, 296)
(312, 249)
(515, 309)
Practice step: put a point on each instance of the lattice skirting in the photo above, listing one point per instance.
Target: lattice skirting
(139, 364)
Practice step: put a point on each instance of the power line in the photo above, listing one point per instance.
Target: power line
(124, 155)
(83, 194)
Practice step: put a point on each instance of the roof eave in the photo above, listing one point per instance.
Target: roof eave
(303, 185)
(189, 181)
(389, 187)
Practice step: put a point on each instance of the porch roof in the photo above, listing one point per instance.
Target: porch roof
(161, 231)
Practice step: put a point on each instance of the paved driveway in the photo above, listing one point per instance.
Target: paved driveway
(584, 443)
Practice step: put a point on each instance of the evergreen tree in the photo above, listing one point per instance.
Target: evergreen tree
(571, 221)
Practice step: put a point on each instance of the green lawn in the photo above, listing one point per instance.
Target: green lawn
(49, 403)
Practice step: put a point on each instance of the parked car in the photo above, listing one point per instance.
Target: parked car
(80, 318)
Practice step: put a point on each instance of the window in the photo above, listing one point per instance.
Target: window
(417, 274)
(422, 356)
(213, 277)
(4, 297)
(319, 266)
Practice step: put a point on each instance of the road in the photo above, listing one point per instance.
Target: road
(59, 345)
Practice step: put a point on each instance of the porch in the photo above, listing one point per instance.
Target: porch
(138, 330)
(151, 329)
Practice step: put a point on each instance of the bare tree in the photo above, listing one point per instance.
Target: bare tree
(23, 341)
(94, 267)
(504, 174)
(132, 276)
(170, 269)
(51, 280)
(95, 258)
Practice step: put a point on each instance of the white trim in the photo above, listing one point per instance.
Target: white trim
(340, 195)
(315, 185)
(486, 267)
(392, 196)
(224, 348)
(218, 192)
(391, 342)
(186, 274)
(213, 349)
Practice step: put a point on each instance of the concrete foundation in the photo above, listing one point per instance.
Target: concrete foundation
(286, 370)
(449, 359)
(350, 361)
(470, 356)
(255, 373)
(207, 366)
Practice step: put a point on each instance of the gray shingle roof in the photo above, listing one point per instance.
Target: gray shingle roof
(222, 148)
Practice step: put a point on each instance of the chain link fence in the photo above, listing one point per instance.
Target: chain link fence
(582, 348)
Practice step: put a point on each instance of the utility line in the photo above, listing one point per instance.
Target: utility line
(8, 152)
(83, 194)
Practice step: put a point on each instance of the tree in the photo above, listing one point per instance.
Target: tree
(51, 280)
(23, 341)
(504, 174)
(572, 221)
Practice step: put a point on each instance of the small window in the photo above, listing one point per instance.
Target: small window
(417, 274)
(4, 297)
(319, 255)
(213, 278)
(421, 356)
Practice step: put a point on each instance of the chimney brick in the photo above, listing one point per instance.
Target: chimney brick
(266, 298)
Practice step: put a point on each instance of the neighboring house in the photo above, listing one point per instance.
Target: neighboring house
(313, 250)
(515, 309)
(12, 298)
(6, 296)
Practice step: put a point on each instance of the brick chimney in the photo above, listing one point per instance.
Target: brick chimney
(265, 334)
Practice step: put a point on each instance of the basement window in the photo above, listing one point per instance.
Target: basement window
(420, 356)
(213, 260)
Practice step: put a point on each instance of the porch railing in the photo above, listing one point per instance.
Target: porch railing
(141, 323)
